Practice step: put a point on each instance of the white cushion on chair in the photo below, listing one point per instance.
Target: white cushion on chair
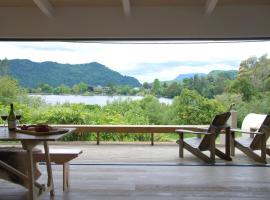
(252, 120)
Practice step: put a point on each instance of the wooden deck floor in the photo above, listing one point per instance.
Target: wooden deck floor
(138, 172)
(155, 182)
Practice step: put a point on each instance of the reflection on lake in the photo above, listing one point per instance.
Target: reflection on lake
(99, 100)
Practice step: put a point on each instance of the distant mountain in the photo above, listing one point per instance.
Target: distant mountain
(190, 75)
(230, 74)
(31, 74)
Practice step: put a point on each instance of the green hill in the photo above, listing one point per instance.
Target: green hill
(31, 74)
(229, 74)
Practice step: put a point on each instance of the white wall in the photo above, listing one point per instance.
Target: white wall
(163, 22)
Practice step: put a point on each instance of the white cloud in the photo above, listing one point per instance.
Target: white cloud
(126, 57)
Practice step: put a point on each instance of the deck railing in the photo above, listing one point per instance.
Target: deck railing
(148, 129)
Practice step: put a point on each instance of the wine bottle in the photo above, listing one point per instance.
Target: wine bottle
(11, 119)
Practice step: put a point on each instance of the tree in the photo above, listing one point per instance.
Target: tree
(153, 109)
(9, 90)
(267, 84)
(62, 89)
(124, 90)
(80, 88)
(192, 108)
(4, 67)
(173, 90)
(244, 87)
(46, 88)
(249, 63)
(156, 87)
(146, 85)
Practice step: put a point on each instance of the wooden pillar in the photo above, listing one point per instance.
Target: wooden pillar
(97, 138)
(232, 143)
(232, 121)
(152, 139)
(181, 145)
(227, 142)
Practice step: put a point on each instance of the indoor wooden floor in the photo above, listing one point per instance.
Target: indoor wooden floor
(117, 182)
(138, 172)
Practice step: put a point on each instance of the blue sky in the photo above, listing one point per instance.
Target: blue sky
(143, 60)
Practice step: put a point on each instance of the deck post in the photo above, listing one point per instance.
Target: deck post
(232, 121)
(152, 139)
(181, 145)
(97, 138)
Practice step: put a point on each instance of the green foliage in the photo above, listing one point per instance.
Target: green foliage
(9, 90)
(145, 111)
(46, 88)
(154, 111)
(193, 100)
(260, 104)
(229, 74)
(191, 108)
(80, 88)
(256, 71)
(156, 88)
(211, 85)
(244, 87)
(146, 85)
(62, 89)
(172, 90)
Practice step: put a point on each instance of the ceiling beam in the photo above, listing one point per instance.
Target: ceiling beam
(45, 6)
(126, 7)
(210, 7)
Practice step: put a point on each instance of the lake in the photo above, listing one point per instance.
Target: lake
(99, 100)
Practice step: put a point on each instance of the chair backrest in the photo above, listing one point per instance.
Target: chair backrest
(264, 128)
(215, 127)
(265, 124)
(252, 120)
(220, 120)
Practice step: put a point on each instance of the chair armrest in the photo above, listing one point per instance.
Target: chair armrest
(192, 132)
(253, 129)
(265, 128)
(236, 130)
(245, 132)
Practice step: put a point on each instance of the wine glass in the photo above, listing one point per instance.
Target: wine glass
(18, 116)
(4, 116)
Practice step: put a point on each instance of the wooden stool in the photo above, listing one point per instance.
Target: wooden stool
(61, 157)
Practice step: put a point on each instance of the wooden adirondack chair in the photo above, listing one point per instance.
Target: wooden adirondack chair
(248, 145)
(197, 145)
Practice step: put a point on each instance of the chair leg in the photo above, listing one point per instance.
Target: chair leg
(263, 147)
(65, 176)
(181, 145)
(268, 151)
(212, 148)
(198, 153)
(232, 144)
(222, 155)
(249, 152)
